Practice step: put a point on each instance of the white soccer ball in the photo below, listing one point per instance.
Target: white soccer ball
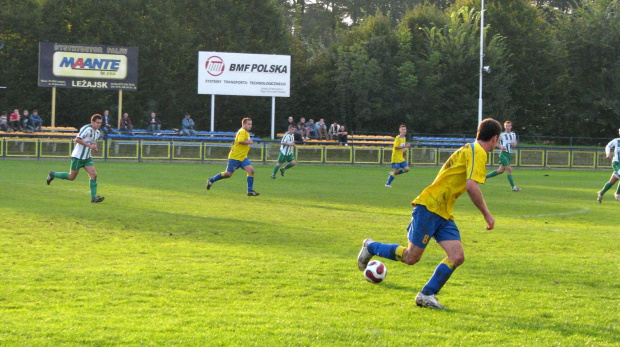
(375, 271)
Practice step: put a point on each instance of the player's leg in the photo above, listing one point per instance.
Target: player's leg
(510, 179)
(291, 162)
(71, 175)
(92, 173)
(443, 271)
(249, 169)
(612, 180)
(230, 169)
(419, 232)
(281, 160)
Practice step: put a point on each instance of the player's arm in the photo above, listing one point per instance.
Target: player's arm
(92, 146)
(476, 197)
(608, 148)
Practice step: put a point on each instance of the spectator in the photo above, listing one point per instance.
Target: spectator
(321, 128)
(126, 126)
(333, 130)
(303, 129)
(312, 129)
(187, 126)
(154, 124)
(4, 123)
(106, 127)
(25, 120)
(14, 120)
(289, 122)
(35, 121)
(343, 137)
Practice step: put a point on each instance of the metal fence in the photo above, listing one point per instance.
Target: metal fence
(267, 152)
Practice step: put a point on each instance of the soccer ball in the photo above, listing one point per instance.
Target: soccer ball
(375, 271)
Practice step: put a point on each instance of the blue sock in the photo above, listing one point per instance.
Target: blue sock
(442, 273)
(250, 183)
(390, 179)
(385, 250)
(216, 177)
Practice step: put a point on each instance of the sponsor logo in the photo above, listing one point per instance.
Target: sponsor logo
(258, 68)
(215, 66)
(85, 65)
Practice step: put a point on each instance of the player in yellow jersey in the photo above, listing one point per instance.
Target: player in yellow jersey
(399, 155)
(238, 158)
(432, 215)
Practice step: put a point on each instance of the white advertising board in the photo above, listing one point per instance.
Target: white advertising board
(244, 74)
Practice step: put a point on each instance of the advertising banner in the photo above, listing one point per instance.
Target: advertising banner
(244, 74)
(67, 65)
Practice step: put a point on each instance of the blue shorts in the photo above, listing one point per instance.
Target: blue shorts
(235, 164)
(426, 224)
(400, 165)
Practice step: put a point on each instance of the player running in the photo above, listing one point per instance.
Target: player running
(85, 144)
(238, 158)
(286, 152)
(507, 140)
(399, 155)
(432, 215)
(615, 164)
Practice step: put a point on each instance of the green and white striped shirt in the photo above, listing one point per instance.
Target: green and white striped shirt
(615, 144)
(89, 135)
(284, 149)
(506, 139)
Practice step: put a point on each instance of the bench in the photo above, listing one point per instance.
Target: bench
(441, 141)
(59, 129)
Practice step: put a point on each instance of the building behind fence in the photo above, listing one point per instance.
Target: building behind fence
(267, 153)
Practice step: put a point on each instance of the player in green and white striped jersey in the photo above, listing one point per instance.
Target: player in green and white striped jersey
(615, 164)
(85, 144)
(286, 152)
(507, 140)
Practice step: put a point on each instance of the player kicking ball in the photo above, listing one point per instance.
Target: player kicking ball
(238, 158)
(85, 144)
(286, 152)
(399, 155)
(432, 215)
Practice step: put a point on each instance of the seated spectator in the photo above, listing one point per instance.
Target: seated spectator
(187, 126)
(321, 128)
(290, 121)
(311, 129)
(25, 120)
(126, 127)
(4, 123)
(14, 120)
(303, 129)
(106, 123)
(333, 130)
(35, 121)
(154, 124)
(343, 137)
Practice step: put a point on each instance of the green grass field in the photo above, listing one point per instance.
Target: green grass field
(162, 261)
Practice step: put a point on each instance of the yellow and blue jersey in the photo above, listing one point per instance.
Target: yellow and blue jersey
(463, 165)
(240, 151)
(398, 154)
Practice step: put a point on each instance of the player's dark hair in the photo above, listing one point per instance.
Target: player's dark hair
(487, 129)
(245, 120)
(402, 125)
(291, 126)
(507, 122)
(95, 117)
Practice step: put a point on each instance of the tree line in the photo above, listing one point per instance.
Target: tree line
(370, 64)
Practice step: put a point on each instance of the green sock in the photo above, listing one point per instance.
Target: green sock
(288, 166)
(275, 169)
(61, 175)
(492, 174)
(512, 183)
(618, 189)
(93, 188)
(606, 187)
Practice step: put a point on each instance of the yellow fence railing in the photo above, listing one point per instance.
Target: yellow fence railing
(267, 152)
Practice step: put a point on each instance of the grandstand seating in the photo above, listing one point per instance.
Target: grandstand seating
(440, 141)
